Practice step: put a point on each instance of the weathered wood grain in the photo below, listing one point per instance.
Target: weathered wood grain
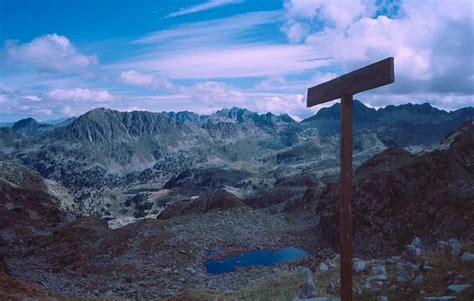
(372, 76)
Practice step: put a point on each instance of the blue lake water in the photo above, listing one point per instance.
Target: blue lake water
(261, 257)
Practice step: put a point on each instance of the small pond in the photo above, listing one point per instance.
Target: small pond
(260, 257)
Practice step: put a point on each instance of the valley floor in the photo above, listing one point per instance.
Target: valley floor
(155, 259)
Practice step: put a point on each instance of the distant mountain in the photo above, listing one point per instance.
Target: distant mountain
(104, 156)
(58, 121)
(361, 114)
(29, 127)
(402, 125)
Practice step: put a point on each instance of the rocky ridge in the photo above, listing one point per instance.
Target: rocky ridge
(398, 195)
(104, 156)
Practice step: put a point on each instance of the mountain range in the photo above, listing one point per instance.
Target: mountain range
(134, 204)
(107, 158)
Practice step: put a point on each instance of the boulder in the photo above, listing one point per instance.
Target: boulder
(467, 257)
(405, 272)
(359, 265)
(451, 247)
(457, 288)
(310, 286)
(419, 280)
(323, 267)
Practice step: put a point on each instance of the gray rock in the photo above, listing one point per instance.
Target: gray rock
(457, 288)
(405, 272)
(332, 287)
(359, 265)
(426, 267)
(335, 262)
(379, 277)
(323, 267)
(441, 298)
(310, 286)
(418, 280)
(382, 298)
(367, 286)
(455, 246)
(379, 269)
(412, 253)
(417, 243)
(467, 257)
(451, 247)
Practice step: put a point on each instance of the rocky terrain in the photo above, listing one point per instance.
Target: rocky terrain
(130, 205)
(399, 195)
(106, 157)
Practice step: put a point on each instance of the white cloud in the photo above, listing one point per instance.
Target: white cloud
(51, 52)
(430, 40)
(335, 13)
(202, 7)
(135, 78)
(230, 62)
(210, 96)
(81, 95)
(32, 98)
(296, 31)
(211, 92)
(216, 32)
(200, 51)
(280, 83)
(280, 103)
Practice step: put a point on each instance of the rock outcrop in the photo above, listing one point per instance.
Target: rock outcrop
(398, 195)
(217, 201)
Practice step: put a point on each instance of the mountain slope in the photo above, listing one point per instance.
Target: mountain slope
(396, 126)
(398, 196)
(104, 154)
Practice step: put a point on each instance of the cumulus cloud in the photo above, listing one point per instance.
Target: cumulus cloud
(293, 104)
(430, 40)
(334, 13)
(81, 95)
(51, 52)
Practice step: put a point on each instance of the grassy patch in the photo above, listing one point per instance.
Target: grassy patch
(285, 287)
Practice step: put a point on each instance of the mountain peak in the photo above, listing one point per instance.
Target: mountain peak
(25, 123)
(362, 113)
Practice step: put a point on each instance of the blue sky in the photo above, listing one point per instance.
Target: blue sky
(63, 58)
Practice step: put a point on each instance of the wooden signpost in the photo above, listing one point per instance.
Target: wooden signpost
(372, 76)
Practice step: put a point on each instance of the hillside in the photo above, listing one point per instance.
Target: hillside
(398, 195)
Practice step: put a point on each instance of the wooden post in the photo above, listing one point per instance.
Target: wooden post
(345, 86)
(345, 207)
